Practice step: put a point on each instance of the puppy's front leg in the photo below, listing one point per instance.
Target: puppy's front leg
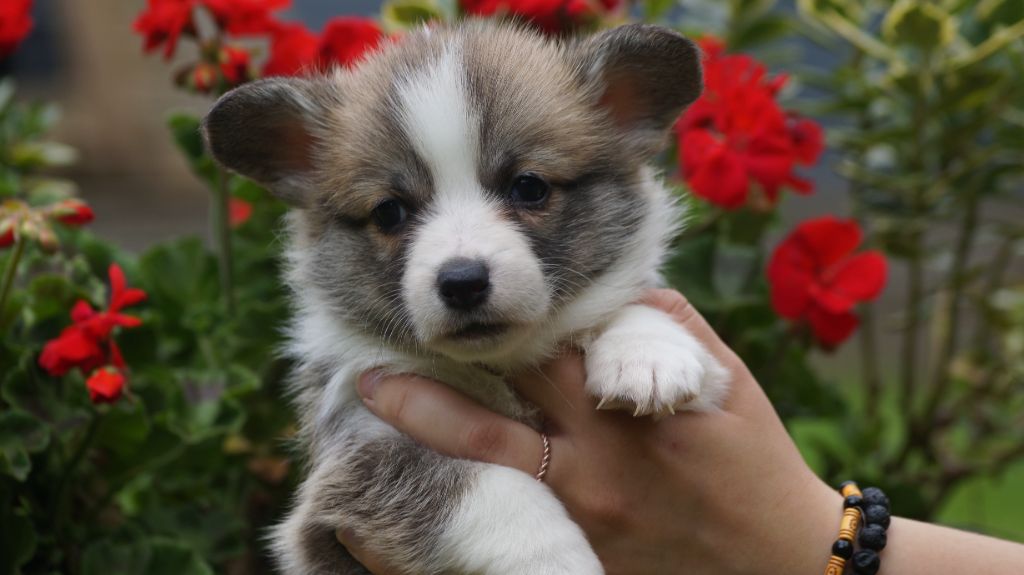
(427, 514)
(646, 363)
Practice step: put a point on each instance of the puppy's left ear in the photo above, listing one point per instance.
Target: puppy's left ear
(644, 76)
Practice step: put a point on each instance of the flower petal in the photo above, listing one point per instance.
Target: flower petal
(831, 329)
(860, 278)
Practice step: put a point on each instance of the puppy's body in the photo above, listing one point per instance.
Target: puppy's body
(467, 200)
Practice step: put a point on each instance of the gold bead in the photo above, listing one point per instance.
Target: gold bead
(849, 524)
(850, 489)
(835, 565)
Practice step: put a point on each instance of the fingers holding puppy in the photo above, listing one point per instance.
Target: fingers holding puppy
(448, 422)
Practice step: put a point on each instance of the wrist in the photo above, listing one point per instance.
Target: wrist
(801, 540)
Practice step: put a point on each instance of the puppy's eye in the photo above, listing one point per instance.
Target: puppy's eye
(389, 215)
(529, 190)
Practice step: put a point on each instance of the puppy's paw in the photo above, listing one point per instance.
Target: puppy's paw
(647, 364)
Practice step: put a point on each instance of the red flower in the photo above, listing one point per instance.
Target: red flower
(736, 134)
(346, 40)
(72, 213)
(105, 385)
(7, 233)
(549, 15)
(293, 50)
(88, 342)
(75, 347)
(239, 212)
(163, 22)
(15, 24)
(816, 278)
(203, 77)
(244, 17)
(235, 65)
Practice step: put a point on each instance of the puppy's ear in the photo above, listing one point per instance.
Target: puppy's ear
(266, 131)
(644, 76)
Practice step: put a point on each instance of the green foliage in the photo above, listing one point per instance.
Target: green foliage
(183, 473)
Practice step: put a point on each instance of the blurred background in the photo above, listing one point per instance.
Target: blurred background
(957, 457)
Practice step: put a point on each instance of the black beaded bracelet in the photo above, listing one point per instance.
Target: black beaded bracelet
(871, 508)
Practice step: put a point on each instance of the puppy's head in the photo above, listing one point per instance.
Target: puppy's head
(462, 184)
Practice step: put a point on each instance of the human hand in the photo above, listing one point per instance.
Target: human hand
(723, 492)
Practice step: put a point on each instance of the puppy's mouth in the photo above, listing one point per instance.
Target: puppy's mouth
(479, 331)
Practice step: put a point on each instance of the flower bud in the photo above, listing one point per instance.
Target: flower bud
(72, 212)
(7, 237)
(105, 385)
(203, 78)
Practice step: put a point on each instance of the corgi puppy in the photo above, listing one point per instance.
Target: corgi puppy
(465, 201)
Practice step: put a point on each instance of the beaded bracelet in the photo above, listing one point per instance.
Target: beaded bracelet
(872, 508)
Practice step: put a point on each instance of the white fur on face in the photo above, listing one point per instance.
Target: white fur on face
(462, 222)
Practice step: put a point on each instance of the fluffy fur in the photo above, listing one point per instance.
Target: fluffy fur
(445, 122)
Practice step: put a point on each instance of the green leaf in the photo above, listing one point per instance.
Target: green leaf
(168, 557)
(758, 31)
(925, 25)
(120, 556)
(404, 14)
(20, 435)
(124, 428)
(185, 128)
(18, 543)
(656, 9)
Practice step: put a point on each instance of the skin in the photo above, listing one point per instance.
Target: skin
(716, 493)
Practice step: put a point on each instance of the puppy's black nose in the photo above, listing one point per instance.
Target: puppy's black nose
(463, 283)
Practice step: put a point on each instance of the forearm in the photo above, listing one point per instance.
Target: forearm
(924, 549)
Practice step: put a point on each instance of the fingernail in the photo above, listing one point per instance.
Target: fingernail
(347, 537)
(368, 382)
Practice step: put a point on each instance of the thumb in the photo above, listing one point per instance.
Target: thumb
(354, 544)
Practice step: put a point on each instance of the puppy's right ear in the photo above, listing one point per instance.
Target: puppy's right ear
(267, 131)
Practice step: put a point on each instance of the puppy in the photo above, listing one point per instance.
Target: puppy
(464, 201)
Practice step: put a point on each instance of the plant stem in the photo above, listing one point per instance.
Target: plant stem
(949, 324)
(69, 470)
(10, 273)
(221, 221)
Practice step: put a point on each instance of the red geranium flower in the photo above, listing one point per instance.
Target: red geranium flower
(346, 40)
(736, 134)
(7, 233)
(293, 50)
(15, 24)
(296, 50)
(72, 212)
(816, 278)
(245, 17)
(88, 342)
(163, 22)
(235, 65)
(549, 15)
(105, 385)
(239, 212)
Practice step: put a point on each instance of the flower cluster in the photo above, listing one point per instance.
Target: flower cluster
(816, 279)
(88, 343)
(548, 15)
(293, 48)
(737, 135)
(344, 41)
(15, 24)
(19, 220)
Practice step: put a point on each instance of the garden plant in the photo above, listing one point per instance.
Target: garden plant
(144, 422)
